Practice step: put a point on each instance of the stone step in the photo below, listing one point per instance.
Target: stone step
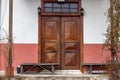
(56, 77)
(62, 72)
(47, 78)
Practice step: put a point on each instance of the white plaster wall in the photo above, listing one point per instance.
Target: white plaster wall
(25, 20)
(95, 20)
(0, 11)
(4, 19)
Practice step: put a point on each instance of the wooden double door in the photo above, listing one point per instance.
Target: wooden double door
(61, 41)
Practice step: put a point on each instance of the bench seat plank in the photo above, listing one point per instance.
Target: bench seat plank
(48, 64)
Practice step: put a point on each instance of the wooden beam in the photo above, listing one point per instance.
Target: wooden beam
(10, 40)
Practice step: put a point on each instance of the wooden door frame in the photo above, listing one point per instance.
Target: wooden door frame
(42, 14)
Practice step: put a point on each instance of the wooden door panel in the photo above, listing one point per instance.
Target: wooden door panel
(70, 60)
(50, 40)
(50, 30)
(50, 46)
(70, 41)
(71, 46)
(70, 30)
(50, 57)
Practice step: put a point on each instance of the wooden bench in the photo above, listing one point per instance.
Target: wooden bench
(30, 66)
(101, 67)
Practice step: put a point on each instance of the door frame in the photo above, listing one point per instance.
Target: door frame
(42, 14)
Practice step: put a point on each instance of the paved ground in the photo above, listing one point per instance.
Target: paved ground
(56, 77)
(49, 76)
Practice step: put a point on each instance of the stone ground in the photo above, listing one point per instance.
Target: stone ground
(68, 75)
(56, 77)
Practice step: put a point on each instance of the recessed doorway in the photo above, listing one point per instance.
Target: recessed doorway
(60, 34)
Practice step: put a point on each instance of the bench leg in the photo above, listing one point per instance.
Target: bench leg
(53, 69)
(90, 69)
(21, 69)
